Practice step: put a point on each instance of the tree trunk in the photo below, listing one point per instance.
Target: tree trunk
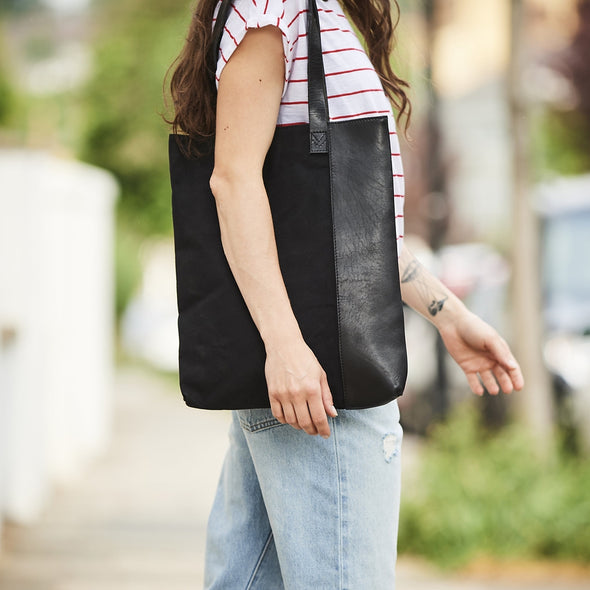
(534, 404)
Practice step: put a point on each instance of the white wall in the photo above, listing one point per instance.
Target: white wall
(56, 322)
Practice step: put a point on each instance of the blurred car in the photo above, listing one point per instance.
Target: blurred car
(564, 207)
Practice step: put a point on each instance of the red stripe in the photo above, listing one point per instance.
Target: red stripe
(238, 13)
(330, 10)
(296, 17)
(339, 96)
(324, 31)
(332, 51)
(359, 114)
(319, 10)
(339, 74)
(335, 29)
(400, 237)
(398, 175)
(350, 71)
(400, 196)
(266, 7)
(396, 154)
(356, 92)
(232, 37)
(399, 216)
(343, 49)
(292, 124)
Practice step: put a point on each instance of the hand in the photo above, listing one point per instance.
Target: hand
(298, 388)
(479, 350)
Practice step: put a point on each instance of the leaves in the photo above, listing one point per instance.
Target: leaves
(495, 494)
(124, 131)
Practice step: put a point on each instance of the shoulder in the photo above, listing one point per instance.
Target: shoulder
(286, 15)
(267, 12)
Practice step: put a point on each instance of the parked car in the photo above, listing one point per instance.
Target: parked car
(564, 207)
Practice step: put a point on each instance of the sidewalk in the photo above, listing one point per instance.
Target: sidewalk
(136, 521)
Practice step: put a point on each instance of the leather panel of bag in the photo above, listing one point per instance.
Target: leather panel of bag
(330, 189)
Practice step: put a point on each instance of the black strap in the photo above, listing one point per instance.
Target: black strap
(317, 95)
(222, 15)
(316, 87)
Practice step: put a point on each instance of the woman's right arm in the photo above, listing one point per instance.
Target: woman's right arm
(248, 100)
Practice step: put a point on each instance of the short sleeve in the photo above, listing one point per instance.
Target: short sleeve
(255, 14)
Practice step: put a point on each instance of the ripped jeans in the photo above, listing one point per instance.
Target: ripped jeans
(298, 512)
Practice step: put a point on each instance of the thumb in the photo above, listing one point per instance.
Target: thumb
(327, 397)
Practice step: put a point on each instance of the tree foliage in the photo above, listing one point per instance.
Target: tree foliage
(136, 43)
(567, 132)
(17, 5)
(6, 94)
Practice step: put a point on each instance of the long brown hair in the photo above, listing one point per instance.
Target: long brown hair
(193, 94)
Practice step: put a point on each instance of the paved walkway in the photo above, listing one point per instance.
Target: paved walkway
(136, 520)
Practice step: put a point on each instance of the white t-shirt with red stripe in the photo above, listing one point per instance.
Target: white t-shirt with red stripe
(354, 88)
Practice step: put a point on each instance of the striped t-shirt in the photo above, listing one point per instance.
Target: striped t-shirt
(354, 88)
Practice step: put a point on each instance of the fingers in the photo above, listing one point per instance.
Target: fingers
(304, 419)
(489, 382)
(319, 418)
(309, 416)
(290, 416)
(503, 379)
(494, 380)
(516, 377)
(327, 397)
(504, 357)
(474, 383)
(277, 411)
(307, 411)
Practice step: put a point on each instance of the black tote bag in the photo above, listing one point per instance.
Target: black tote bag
(330, 188)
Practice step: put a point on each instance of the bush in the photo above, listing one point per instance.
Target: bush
(494, 494)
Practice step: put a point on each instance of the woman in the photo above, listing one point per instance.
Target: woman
(294, 510)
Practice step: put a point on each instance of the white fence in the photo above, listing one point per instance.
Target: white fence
(56, 322)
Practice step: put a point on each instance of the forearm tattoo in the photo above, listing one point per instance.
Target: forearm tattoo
(435, 306)
(411, 271)
(414, 273)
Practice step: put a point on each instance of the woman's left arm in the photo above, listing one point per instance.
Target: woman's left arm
(476, 347)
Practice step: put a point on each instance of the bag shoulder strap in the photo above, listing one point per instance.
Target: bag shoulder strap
(317, 95)
(222, 15)
(316, 87)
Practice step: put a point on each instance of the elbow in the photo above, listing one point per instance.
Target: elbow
(219, 184)
(227, 184)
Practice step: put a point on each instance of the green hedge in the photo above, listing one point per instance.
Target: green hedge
(494, 494)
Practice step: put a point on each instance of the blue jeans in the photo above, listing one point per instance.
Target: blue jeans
(297, 512)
